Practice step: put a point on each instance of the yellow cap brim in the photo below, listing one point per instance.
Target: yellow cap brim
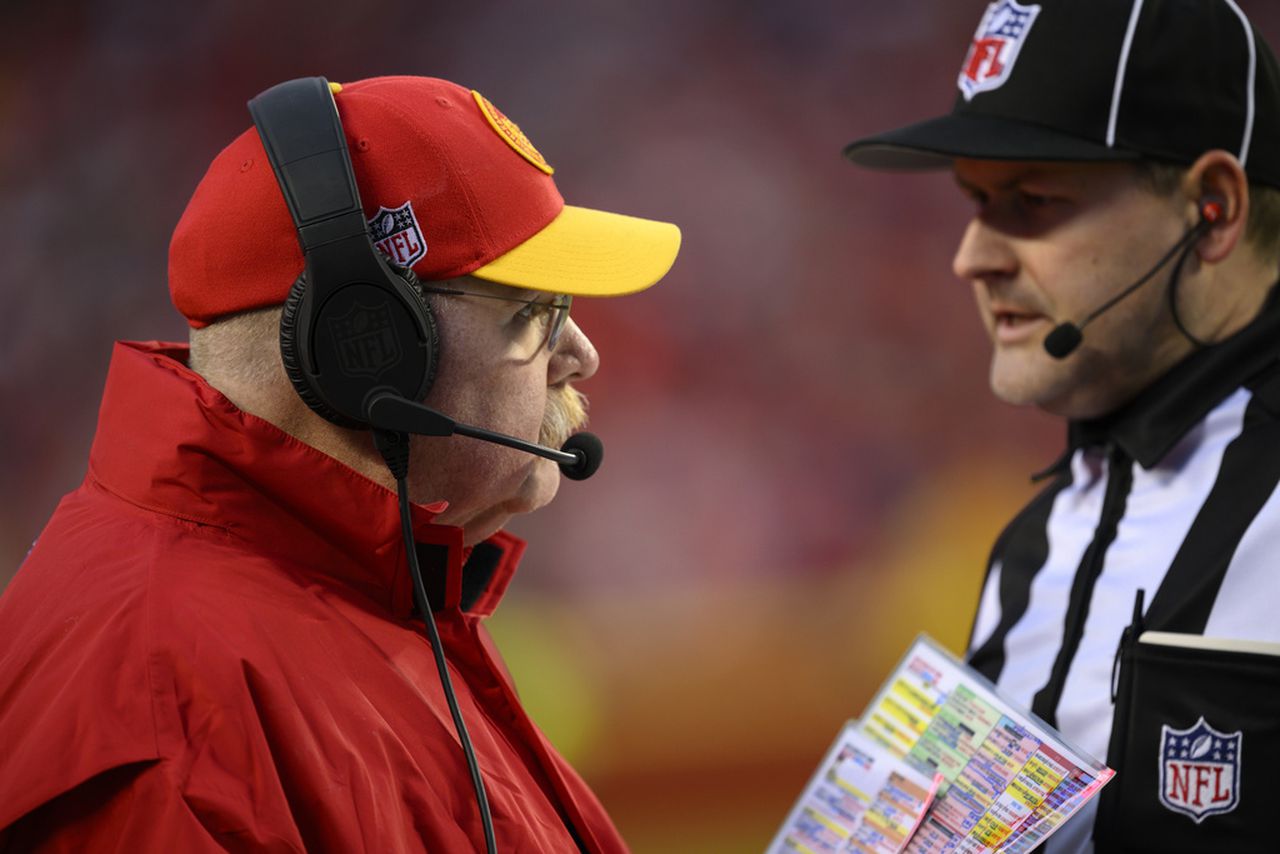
(589, 253)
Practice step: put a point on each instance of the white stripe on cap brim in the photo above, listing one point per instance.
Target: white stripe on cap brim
(1123, 65)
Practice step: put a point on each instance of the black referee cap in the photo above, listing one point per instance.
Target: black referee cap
(1090, 80)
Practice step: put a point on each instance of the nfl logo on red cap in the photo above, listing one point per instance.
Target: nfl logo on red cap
(1003, 29)
(1199, 770)
(395, 231)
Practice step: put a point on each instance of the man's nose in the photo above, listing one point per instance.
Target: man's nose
(983, 253)
(575, 358)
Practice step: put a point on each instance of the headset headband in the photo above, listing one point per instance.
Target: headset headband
(351, 328)
(302, 134)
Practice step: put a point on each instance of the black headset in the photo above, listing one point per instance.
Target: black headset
(354, 329)
(1064, 338)
(353, 326)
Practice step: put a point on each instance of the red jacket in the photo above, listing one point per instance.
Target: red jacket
(211, 647)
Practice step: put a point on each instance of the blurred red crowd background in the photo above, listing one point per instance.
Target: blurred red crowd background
(804, 466)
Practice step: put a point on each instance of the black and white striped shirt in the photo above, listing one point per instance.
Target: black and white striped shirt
(1174, 494)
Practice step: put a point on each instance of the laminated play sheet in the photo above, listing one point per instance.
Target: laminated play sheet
(940, 762)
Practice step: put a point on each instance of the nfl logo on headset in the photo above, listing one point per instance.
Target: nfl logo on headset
(995, 47)
(395, 231)
(1199, 770)
(365, 338)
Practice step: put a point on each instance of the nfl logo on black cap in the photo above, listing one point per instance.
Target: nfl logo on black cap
(1102, 80)
(995, 47)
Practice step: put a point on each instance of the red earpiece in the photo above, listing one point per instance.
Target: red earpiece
(1212, 208)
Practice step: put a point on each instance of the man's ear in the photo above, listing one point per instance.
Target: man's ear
(1218, 174)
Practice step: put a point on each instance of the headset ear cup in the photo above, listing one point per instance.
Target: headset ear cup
(293, 363)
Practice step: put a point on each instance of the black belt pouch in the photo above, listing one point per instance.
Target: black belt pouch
(1196, 747)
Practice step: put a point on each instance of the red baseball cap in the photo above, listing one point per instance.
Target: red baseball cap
(450, 187)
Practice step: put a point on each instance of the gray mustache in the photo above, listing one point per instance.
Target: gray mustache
(566, 414)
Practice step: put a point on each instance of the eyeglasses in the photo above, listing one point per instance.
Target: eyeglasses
(553, 314)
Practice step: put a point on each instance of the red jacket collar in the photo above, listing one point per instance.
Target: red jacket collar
(169, 442)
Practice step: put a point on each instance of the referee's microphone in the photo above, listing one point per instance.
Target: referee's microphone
(578, 458)
(1063, 340)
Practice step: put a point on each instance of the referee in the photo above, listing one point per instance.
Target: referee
(1123, 160)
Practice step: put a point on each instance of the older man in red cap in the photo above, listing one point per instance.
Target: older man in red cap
(235, 635)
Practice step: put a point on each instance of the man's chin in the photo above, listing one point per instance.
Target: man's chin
(1063, 399)
(1023, 379)
(540, 486)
